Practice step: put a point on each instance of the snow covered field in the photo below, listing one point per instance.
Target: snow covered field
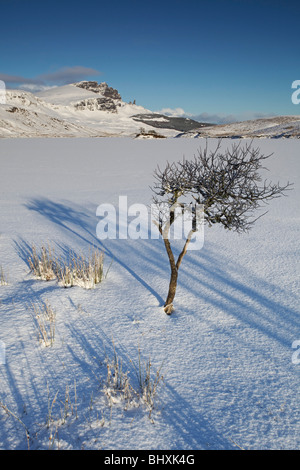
(231, 376)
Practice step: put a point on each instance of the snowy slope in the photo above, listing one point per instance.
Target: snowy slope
(69, 111)
(276, 127)
(25, 115)
(96, 110)
(65, 95)
(230, 381)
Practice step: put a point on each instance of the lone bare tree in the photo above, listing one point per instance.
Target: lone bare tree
(228, 185)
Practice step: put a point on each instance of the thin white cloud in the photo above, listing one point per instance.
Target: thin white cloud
(67, 75)
(215, 118)
(176, 112)
(34, 88)
(230, 118)
(18, 79)
(203, 117)
(173, 112)
(62, 76)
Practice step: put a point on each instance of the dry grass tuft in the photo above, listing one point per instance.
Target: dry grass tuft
(76, 271)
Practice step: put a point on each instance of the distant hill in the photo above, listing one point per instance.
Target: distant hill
(275, 127)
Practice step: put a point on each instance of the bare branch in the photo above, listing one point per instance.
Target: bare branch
(227, 183)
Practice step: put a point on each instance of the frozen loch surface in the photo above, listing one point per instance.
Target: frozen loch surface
(231, 375)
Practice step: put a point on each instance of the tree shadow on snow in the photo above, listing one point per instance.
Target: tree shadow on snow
(191, 429)
(205, 275)
(240, 293)
(205, 279)
(80, 224)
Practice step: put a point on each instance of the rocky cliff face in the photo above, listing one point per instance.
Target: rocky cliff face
(98, 104)
(109, 101)
(101, 88)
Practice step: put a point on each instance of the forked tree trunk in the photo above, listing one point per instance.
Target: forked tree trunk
(168, 306)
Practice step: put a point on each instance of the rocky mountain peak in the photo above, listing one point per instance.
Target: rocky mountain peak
(100, 88)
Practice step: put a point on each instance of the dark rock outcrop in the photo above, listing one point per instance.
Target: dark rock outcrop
(101, 88)
(98, 104)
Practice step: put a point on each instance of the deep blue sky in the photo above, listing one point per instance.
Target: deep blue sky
(219, 57)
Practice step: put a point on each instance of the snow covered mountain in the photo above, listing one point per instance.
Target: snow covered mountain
(89, 109)
(80, 110)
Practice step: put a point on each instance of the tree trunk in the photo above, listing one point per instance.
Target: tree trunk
(168, 307)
